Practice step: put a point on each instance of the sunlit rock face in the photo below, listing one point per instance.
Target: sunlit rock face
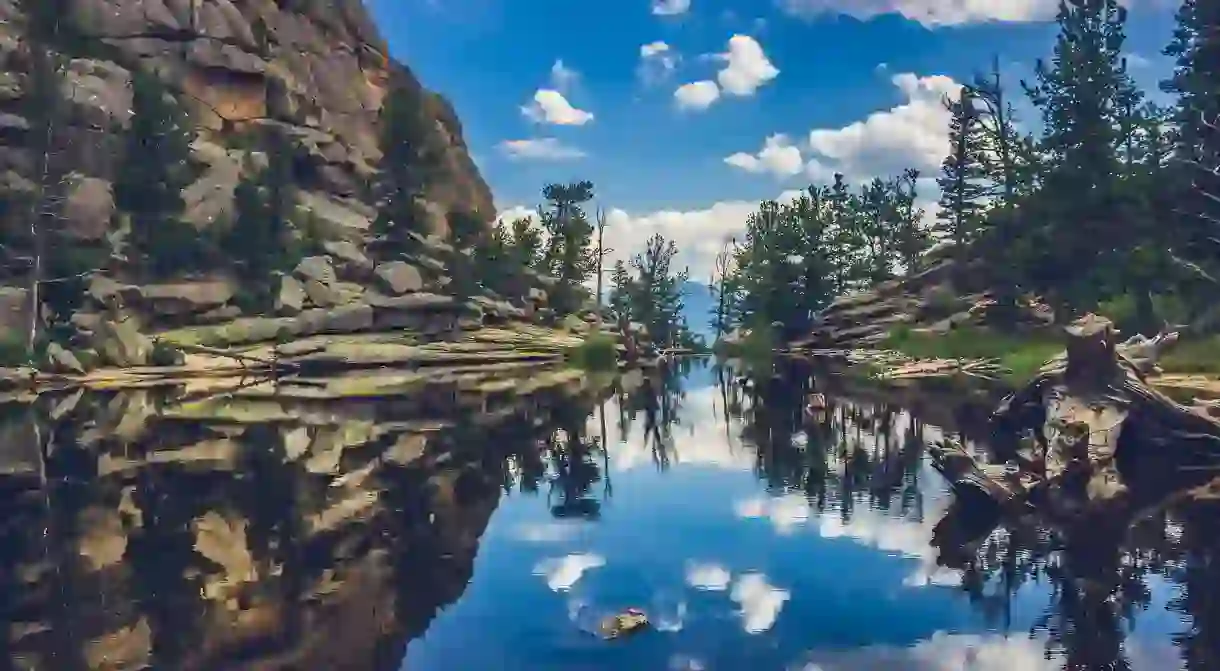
(318, 69)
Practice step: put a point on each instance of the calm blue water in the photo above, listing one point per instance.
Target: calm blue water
(436, 532)
(736, 574)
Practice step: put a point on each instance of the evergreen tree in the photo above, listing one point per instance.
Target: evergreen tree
(1008, 157)
(1196, 81)
(526, 243)
(962, 176)
(149, 186)
(1080, 94)
(910, 237)
(651, 292)
(568, 256)
(261, 239)
(409, 157)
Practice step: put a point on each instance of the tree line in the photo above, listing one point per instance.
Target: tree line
(562, 241)
(1112, 204)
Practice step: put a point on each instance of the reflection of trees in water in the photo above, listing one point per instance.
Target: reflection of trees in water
(575, 467)
(657, 395)
(860, 453)
(847, 453)
(1098, 573)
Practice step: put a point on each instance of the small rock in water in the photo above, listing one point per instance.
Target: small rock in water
(629, 621)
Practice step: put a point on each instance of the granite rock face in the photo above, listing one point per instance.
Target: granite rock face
(321, 73)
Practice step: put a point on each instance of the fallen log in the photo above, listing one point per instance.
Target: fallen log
(1087, 408)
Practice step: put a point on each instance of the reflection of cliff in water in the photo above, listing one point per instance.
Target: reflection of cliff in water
(248, 535)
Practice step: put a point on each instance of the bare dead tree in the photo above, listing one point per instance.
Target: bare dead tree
(720, 273)
(601, 258)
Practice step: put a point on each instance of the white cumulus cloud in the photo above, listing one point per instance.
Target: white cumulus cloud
(759, 601)
(778, 157)
(914, 134)
(550, 106)
(658, 61)
(697, 95)
(563, 572)
(746, 67)
(931, 13)
(670, 7)
(540, 149)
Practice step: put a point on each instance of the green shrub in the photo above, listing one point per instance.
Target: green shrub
(165, 354)
(758, 349)
(13, 351)
(599, 352)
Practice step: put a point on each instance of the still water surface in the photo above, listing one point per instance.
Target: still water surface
(416, 536)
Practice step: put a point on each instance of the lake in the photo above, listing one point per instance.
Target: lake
(456, 531)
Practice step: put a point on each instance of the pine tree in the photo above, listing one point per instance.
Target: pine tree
(1196, 81)
(910, 237)
(568, 256)
(963, 172)
(526, 243)
(155, 171)
(1080, 94)
(1008, 155)
(409, 158)
(261, 239)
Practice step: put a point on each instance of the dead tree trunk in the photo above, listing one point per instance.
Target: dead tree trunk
(1085, 407)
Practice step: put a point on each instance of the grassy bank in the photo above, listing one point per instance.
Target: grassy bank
(1023, 355)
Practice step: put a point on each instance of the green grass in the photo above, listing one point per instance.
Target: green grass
(599, 352)
(1199, 357)
(1021, 355)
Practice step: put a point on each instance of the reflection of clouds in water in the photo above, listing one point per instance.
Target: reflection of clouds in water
(563, 572)
(709, 577)
(786, 512)
(907, 535)
(681, 662)
(699, 440)
(668, 612)
(760, 602)
(968, 652)
(901, 535)
(546, 532)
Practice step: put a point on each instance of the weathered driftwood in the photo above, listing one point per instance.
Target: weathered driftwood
(1085, 407)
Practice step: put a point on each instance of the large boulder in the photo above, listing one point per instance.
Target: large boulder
(349, 260)
(120, 343)
(320, 294)
(182, 298)
(399, 277)
(318, 269)
(63, 361)
(290, 299)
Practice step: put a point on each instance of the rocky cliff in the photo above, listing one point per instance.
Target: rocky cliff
(319, 72)
(318, 69)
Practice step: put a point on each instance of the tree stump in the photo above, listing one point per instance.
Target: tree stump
(1085, 407)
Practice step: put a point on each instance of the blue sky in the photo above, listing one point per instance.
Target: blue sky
(616, 92)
